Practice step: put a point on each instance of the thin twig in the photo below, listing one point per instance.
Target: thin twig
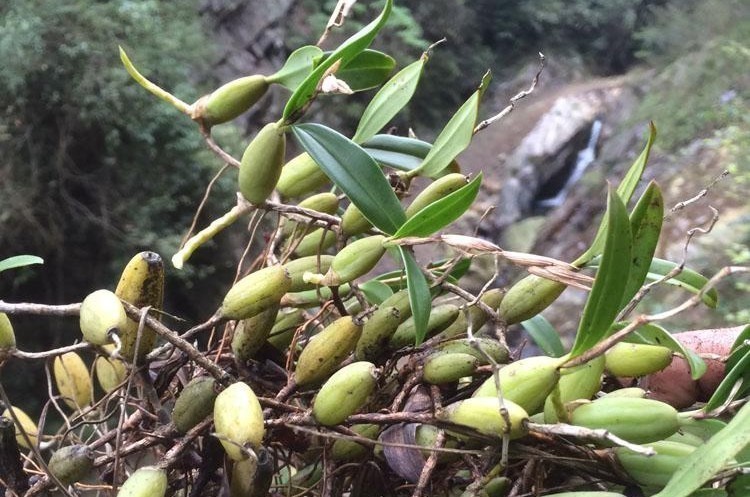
(50, 353)
(432, 460)
(202, 204)
(429, 465)
(170, 336)
(581, 432)
(141, 314)
(40, 309)
(523, 94)
(39, 459)
(340, 11)
(226, 157)
(473, 299)
(341, 433)
(302, 214)
(681, 205)
(173, 454)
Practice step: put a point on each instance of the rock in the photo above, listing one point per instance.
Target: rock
(251, 40)
(550, 149)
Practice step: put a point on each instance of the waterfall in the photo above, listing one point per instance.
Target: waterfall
(583, 160)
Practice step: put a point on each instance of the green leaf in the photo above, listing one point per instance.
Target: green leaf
(605, 298)
(395, 279)
(739, 372)
(19, 261)
(420, 298)
(645, 226)
(704, 428)
(375, 291)
(711, 457)
(625, 190)
(743, 457)
(458, 271)
(737, 368)
(389, 100)
(297, 67)
(544, 335)
(687, 279)
(398, 152)
(455, 136)
(740, 486)
(442, 212)
(355, 173)
(653, 334)
(345, 53)
(367, 70)
(739, 347)
(396, 160)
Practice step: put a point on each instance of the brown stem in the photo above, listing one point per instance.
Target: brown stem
(170, 336)
(170, 458)
(473, 300)
(41, 309)
(50, 353)
(429, 466)
(523, 94)
(301, 213)
(215, 148)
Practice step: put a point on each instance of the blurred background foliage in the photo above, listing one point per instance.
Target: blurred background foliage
(93, 169)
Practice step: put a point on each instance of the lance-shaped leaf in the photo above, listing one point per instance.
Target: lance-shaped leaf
(439, 214)
(645, 227)
(711, 457)
(395, 279)
(345, 53)
(297, 67)
(605, 298)
(737, 369)
(625, 190)
(456, 273)
(456, 135)
(355, 172)
(375, 291)
(398, 152)
(420, 298)
(739, 347)
(728, 389)
(739, 486)
(544, 335)
(367, 70)
(688, 279)
(653, 334)
(389, 100)
(19, 261)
